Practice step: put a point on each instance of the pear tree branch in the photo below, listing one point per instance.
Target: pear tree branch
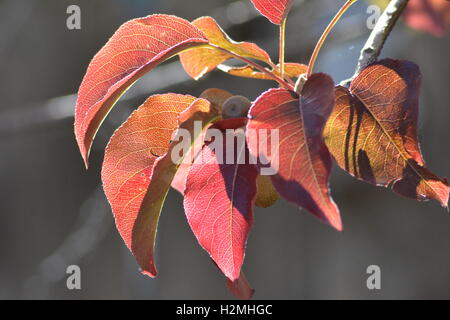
(378, 36)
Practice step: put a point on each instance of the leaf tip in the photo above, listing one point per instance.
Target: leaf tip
(84, 150)
(336, 222)
(151, 274)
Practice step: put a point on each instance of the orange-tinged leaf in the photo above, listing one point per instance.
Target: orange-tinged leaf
(300, 158)
(274, 10)
(198, 62)
(137, 170)
(372, 132)
(292, 70)
(218, 202)
(266, 195)
(135, 48)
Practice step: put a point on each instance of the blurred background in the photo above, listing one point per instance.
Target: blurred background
(53, 212)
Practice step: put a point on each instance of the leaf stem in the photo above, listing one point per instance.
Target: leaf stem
(378, 36)
(325, 34)
(282, 46)
(255, 65)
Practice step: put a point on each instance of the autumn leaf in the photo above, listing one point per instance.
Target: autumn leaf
(218, 201)
(217, 97)
(274, 10)
(138, 168)
(372, 132)
(136, 47)
(301, 159)
(291, 70)
(198, 62)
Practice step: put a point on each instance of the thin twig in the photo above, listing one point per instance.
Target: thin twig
(255, 65)
(378, 36)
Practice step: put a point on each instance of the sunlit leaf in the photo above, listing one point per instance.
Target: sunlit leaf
(292, 70)
(274, 10)
(301, 159)
(218, 203)
(138, 169)
(135, 48)
(372, 132)
(217, 97)
(198, 62)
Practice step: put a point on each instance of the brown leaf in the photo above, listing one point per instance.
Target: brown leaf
(372, 132)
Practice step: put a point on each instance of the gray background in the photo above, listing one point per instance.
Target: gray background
(53, 214)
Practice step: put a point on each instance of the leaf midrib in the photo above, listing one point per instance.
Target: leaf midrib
(406, 159)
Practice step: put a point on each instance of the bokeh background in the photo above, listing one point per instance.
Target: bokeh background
(53, 212)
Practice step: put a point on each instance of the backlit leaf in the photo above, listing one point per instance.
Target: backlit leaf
(138, 169)
(301, 159)
(218, 203)
(198, 62)
(217, 97)
(136, 47)
(372, 132)
(292, 70)
(274, 10)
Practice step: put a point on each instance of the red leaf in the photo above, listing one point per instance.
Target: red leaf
(274, 10)
(372, 132)
(135, 48)
(218, 203)
(301, 158)
(137, 170)
(217, 97)
(198, 62)
(432, 16)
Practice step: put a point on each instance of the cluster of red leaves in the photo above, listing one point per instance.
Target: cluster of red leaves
(370, 129)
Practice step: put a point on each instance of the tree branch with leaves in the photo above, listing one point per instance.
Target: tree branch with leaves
(290, 136)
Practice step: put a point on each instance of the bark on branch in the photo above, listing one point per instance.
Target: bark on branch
(378, 36)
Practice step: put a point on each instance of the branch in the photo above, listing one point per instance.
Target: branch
(378, 36)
